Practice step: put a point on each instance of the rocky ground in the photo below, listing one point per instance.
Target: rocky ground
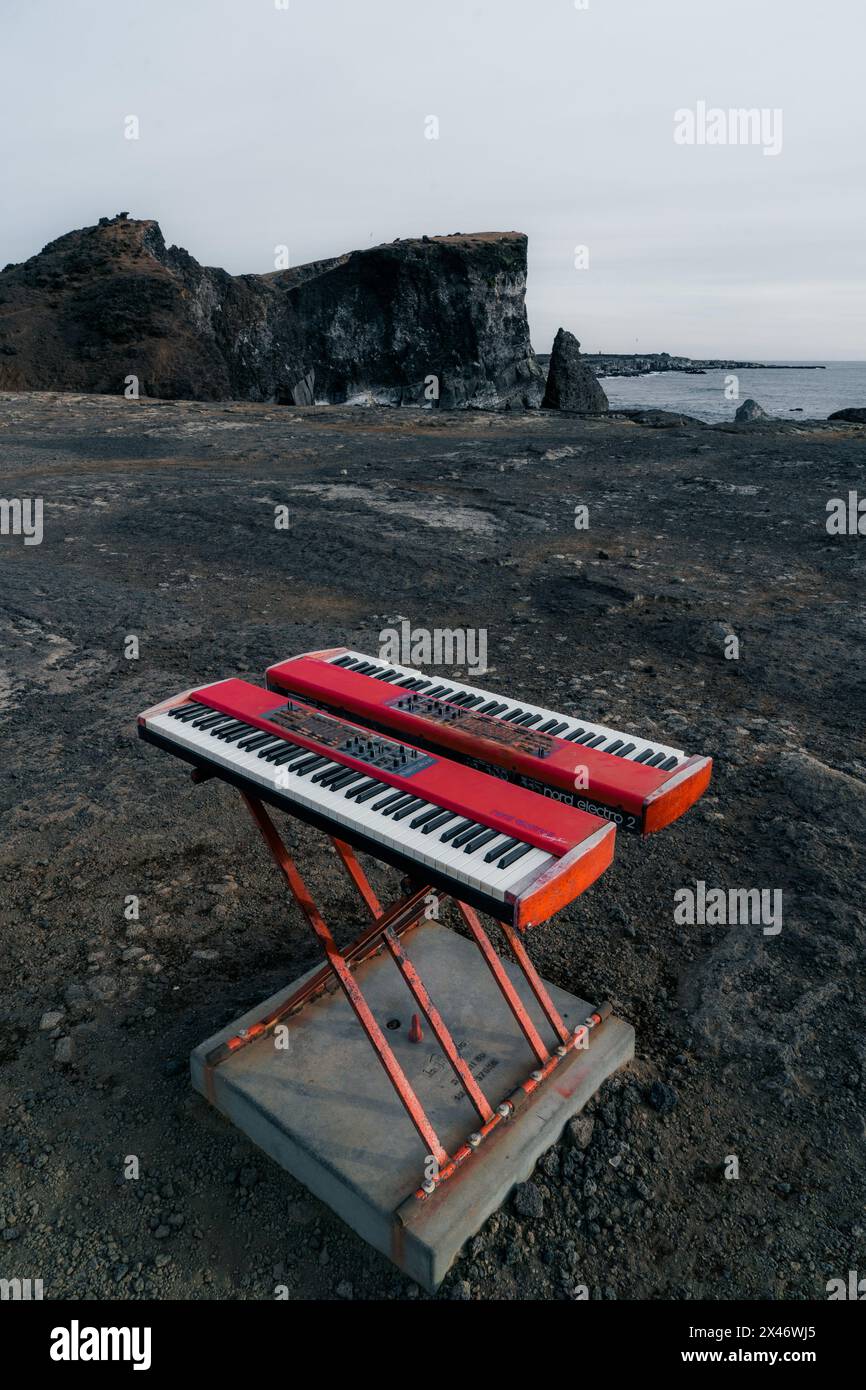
(159, 523)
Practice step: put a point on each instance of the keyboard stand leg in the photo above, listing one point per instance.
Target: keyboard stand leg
(347, 981)
(536, 984)
(358, 877)
(436, 1022)
(509, 993)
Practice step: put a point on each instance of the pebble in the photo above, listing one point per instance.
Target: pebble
(528, 1201)
(103, 987)
(579, 1131)
(662, 1097)
(63, 1051)
(50, 1020)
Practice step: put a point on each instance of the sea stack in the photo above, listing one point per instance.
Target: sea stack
(571, 384)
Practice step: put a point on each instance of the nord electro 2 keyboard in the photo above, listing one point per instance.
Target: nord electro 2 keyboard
(482, 840)
(636, 782)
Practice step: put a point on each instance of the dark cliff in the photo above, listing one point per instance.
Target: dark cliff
(113, 301)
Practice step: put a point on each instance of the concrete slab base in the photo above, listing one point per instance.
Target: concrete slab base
(321, 1105)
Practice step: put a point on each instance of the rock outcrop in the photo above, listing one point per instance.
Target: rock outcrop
(571, 384)
(433, 320)
(853, 415)
(749, 411)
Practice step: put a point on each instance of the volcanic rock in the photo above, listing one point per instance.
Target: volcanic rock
(571, 384)
(750, 410)
(433, 320)
(853, 414)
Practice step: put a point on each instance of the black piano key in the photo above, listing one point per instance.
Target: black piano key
(625, 750)
(514, 855)
(668, 764)
(546, 727)
(282, 747)
(311, 764)
(575, 734)
(324, 774)
(479, 841)
(252, 732)
(425, 817)
(488, 707)
(612, 747)
(421, 685)
(191, 712)
(468, 834)
(389, 677)
(406, 681)
(594, 742)
(232, 737)
(457, 830)
(269, 751)
(462, 698)
(442, 819)
(292, 754)
(585, 739)
(558, 728)
(503, 704)
(346, 778)
(389, 800)
(408, 808)
(251, 744)
(341, 661)
(654, 760)
(327, 769)
(500, 849)
(369, 784)
(375, 790)
(472, 701)
(405, 799)
(527, 719)
(327, 774)
(437, 692)
(268, 746)
(512, 715)
(643, 756)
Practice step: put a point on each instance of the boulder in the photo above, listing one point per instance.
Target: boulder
(660, 419)
(853, 415)
(571, 384)
(750, 410)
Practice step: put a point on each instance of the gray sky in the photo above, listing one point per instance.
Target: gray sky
(306, 127)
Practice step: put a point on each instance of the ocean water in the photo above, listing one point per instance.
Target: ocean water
(780, 391)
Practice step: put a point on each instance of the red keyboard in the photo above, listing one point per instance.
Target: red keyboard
(480, 838)
(637, 782)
